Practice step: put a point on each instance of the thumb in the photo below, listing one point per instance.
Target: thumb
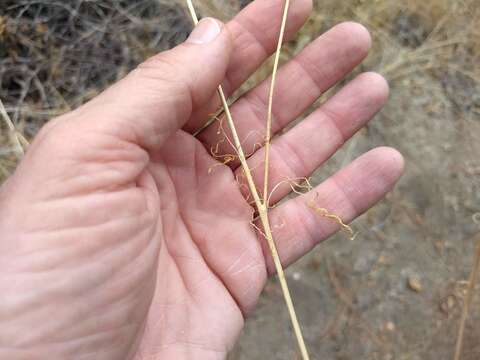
(157, 98)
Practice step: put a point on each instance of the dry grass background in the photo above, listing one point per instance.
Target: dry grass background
(398, 290)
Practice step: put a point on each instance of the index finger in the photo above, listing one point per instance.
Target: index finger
(255, 36)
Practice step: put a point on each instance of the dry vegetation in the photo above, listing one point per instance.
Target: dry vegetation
(396, 292)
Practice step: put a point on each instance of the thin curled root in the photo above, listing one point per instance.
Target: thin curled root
(226, 160)
(211, 119)
(300, 186)
(326, 214)
(244, 189)
(260, 231)
(256, 146)
(296, 185)
(223, 159)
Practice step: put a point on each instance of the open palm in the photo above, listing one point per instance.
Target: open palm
(123, 237)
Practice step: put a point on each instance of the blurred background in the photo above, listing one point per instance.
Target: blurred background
(397, 291)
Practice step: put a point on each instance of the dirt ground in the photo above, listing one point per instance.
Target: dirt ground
(397, 291)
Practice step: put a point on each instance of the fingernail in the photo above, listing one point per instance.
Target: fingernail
(206, 31)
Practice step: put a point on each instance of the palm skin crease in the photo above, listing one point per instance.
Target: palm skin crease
(117, 239)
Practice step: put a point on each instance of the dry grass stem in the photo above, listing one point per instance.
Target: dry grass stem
(18, 140)
(467, 303)
(268, 137)
(262, 209)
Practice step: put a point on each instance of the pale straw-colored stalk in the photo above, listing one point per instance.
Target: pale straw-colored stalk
(18, 140)
(261, 205)
(268, 137)
(467, 302)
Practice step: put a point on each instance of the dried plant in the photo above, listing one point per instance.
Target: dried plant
(261, 204)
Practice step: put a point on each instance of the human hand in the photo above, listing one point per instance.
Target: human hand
(122, 237)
